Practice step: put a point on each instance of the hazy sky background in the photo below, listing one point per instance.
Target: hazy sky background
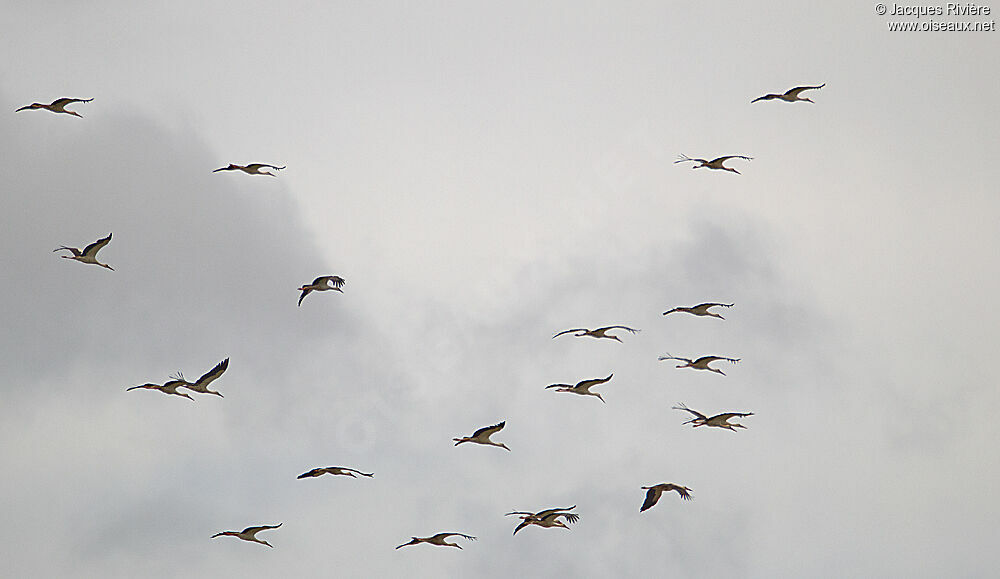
(484, 175)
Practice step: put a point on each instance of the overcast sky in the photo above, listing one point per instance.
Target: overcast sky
(484, 175)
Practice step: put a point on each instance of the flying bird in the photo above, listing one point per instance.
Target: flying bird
(201, 384)
(249, 534)
(790, 96)
(700, 310)
(438, 539)
(334, 470)
(583, 387)
(598, 333)
(701, 363)
(482, 436)
(57, 106)
(547, 518)
(653, 493)
(714, 163)
(718, 421)
(89, 253)
(251, 169)
(322, 283)
(168, 388)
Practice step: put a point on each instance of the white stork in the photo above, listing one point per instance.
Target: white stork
(438, 539)
(653, 494)
(701, 363)
(249, 534)
(790, 96)
(322, 283)
(547, 518)
(89, 253)
(168, 388)
(718, 421)
(57, 106)
(716, 163)
(596, 333)
(251, 169)
(201, 384)
(583, 387)
(700, 310)
(482, 436)
(334, 470)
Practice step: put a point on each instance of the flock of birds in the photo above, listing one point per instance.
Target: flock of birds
(546, 518)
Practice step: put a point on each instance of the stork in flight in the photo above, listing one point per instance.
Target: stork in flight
(547, 518)
(438, 539)
(251, 169)
(597, 333)
(700, 310)
(790, 96)
(89, 253)
(322, 283)
(716, 163)
(168, 388)
(201, 384)
(583, 387)
(57, 106)
(334, 470)
(701, 363)
(653, 494)
(718, 421)
(249, 534)
(482, 436)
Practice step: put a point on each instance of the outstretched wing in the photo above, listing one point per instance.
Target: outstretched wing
(570, 517)
(705, 306)
(593, 382)
(698, 415)
(727, 415)
(446, 535)
(334, 280)
(684, 492)
(669, 357)
(652, 495)
(723, 159)
(255, 530)
(710, 359)
(312, 473)
(76, 252)
(683, 158)
(550, 512)
(65, 101)
(210, 376)
(489, 430)
(569, 331)
(257, 166)
(794, 92)
(606, 328)
(358, 471)
(527, 521)
(92, 249)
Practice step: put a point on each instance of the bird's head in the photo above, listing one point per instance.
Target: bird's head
(146, 385)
